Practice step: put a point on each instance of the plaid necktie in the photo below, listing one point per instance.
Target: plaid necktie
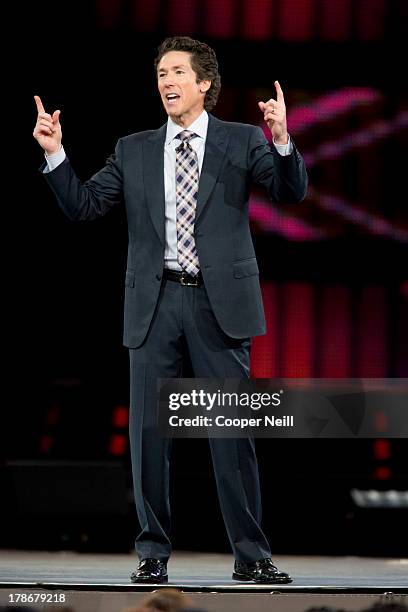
(186, 199)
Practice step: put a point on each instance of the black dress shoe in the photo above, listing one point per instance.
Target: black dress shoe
(260, 571)
(150, 570)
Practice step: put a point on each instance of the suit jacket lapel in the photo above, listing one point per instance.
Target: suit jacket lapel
(153, 165)
(215, 148)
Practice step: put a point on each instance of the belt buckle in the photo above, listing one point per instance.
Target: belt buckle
(187, 283)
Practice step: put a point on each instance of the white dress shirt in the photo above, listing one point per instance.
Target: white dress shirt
(199, 127)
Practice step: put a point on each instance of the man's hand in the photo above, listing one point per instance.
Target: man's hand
(47, 130)
(275, 116)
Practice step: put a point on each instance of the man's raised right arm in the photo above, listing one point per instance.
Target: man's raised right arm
(79, 201)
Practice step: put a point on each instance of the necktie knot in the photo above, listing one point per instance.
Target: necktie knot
(186, 136)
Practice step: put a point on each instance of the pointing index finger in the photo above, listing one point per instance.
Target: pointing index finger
(40, 107)
(279, 92)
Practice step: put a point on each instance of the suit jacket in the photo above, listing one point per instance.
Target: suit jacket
(235, 155)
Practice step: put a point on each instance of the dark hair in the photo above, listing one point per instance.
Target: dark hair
(203, 62)
(165, 600)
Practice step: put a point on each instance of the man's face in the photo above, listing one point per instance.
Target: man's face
(182, 96)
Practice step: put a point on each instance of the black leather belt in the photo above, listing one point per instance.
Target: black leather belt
(188, 280)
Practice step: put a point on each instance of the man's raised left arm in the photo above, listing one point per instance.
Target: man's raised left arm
(279, 167)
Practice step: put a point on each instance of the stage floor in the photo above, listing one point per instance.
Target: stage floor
(101, 582)
(198, 570)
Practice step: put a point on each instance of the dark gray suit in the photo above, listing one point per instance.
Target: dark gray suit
(164, 320)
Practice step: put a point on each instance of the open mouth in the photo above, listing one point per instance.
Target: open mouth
(171, 97)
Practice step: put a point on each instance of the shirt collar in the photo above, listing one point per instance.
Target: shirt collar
(199, 127)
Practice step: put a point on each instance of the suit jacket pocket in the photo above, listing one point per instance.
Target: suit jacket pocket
(247, 267)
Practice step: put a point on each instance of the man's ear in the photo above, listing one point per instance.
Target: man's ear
(205, 86)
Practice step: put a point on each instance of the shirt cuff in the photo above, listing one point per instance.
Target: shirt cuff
(284, 149)
(54, 159)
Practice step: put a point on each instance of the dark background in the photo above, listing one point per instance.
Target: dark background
(333, 269)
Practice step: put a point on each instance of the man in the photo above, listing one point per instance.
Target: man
(192, 281)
